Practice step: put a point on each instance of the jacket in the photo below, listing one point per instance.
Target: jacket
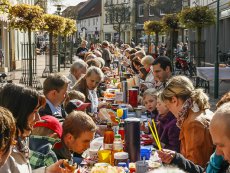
(106, 55)
(169, 132)
(196, 141)
(41, 153)
(18, 163)
(47, 111)
(188, 166)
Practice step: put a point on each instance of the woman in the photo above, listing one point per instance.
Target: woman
(88, 86)
(149, 80)
(24, 104)
(190, 106)
(7, 134)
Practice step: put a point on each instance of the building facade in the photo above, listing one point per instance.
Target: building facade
(209, 33)
(110, 25)
(89, 21)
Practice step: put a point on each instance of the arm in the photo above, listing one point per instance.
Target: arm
(186, 165)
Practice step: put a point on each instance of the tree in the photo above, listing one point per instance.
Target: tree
(171, 23)
(26, 18)
(55, 25)
(70, 29)
(119, 16)
(166, 6)
(4, 6)
(197, 17)
(154, 27)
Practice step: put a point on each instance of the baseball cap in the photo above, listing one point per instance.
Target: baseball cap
(76, 104)
(51, 123)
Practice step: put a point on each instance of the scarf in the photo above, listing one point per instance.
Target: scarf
(183, 113)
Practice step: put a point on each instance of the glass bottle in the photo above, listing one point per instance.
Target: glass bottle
(121, 130)
(108, 137)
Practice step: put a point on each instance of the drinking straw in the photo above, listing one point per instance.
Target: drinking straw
(157, 142)
(154, 125)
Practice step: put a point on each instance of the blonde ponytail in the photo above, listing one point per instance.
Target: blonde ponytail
(198, 96)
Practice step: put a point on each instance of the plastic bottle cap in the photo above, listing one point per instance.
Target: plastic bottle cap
(122, 164)
(121, 155)
(117, 136)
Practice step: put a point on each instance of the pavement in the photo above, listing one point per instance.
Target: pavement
(224, 86)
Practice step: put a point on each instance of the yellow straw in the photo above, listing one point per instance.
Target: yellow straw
(154, 125)
(157, 142)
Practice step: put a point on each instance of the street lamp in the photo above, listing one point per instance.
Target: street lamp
(216, 80)
(59, 7)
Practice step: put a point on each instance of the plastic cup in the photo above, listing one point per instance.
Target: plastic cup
(141, 167)
(93, 154)
(104, 156)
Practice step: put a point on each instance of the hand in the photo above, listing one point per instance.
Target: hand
(166, 156)
(56, 168)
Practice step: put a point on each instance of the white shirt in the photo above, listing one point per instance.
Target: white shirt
(94, 100)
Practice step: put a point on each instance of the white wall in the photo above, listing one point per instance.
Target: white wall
(91, 24)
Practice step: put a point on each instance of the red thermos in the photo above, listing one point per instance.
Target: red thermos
(133, 97)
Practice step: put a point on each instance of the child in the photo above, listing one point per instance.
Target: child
(167, 129)
(73, 100)
(45, 134)
(150, 102)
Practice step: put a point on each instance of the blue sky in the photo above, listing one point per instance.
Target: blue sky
(66, 3)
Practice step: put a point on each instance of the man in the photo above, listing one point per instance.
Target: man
(106, 55)
(77, 69)
(54, 89)
(82, 49)
(162, 70)
(220, 133)
(78, 131)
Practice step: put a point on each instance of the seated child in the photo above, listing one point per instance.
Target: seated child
(150, 102)
(45, 134)
(167, 129)
(73, 101)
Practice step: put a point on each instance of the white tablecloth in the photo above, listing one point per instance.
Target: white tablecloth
(208, 73)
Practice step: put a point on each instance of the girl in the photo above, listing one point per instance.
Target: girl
(88, 86)
(150, 102)
(167, 130)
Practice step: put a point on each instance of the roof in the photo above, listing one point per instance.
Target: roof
(91, 9)
(72, 11)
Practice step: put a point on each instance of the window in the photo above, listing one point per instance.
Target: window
(162, 13)
(88, 22)
(141, 10)
(93, 21)
(151, 10)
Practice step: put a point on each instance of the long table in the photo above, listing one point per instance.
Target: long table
(207, 74)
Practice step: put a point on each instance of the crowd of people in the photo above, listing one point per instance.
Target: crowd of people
(38, 131)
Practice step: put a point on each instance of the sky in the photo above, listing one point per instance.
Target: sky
(65, 3)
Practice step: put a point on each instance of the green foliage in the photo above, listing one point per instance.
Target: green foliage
(26, 17)
(54, 24)
(171, 21)
(70, 27)
(4, 6)
(197, 17)
(153, 26)
(118, 14)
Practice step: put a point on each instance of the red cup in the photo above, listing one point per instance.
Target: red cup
(133, 97)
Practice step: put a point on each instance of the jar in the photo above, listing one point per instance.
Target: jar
(121, 157)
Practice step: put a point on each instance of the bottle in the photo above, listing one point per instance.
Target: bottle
(117, 146)
(121, 130)
(108, 137)
(124, 166)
